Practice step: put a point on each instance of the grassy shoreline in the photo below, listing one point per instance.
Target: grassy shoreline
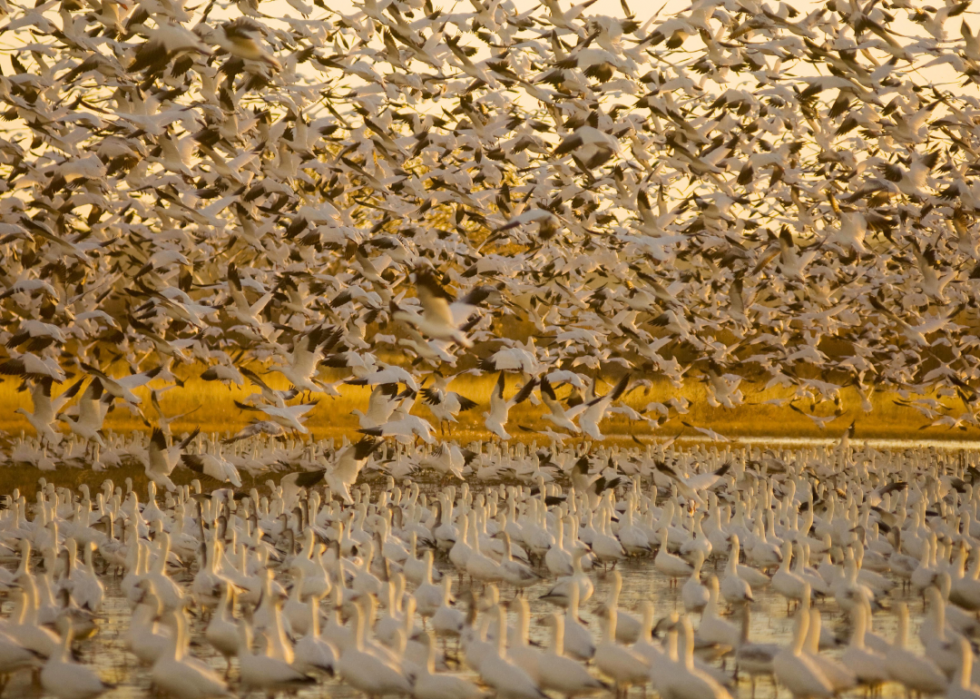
(210, 407)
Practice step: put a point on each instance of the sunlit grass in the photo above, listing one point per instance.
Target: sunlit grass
(210, 406)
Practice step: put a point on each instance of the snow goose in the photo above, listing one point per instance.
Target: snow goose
(429, 685)
(619, 663)
(562, 674)
(596, 409)
(169, 592)
(311, 652)
(698, 542)
(785, 582)
(496, 418)
(632, 537)
(473, 638)
(558, 558)
(684, 680)
(509, 680)
(694, 593)
(460, 550)
(628, 627)
(14, 657)
(646, 647)
(916, 673)
(63, 678)
(734, 588)
(428, 595)
(414, 567)
(962, 686)
(797, 671)
(222, 631)
(958, 619)
(925, 573)
(86, 589)
(514, 572)
(264, 670)
(478, 565)
(578, 641)
(763, 552)
(436, 320)
(366, 672)
(143, 638)
(519, 650)
(182, 676)
(713, 629)
(668, 564)
(22, 626)
(606, 547)
(447, 621)
(754, 659)
(815, 580)
(559, 592)
(938, 640)
(868, 666)
(841, 677)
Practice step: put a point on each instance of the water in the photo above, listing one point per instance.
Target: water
(106, 651)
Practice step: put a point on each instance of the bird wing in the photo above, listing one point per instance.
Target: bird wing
(523, 394)
(434, 299)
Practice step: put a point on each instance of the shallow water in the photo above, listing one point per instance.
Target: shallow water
(106, 651)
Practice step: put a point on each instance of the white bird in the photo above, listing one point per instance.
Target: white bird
(180, 675)
(496, 418)
(437, 319)
(905, 667)
(797, 671)
(366, 672)
(63, 678)
(619, 663)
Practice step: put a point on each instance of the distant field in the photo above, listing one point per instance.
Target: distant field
(214, 411)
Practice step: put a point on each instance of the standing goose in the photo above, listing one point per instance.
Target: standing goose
(14, 657)
(429, 685)
(560, 673)
(785, 582)
(916, 673)
(713, 629)
(670, 565)
(182, 676)
(514, 572)
(262, 670)
(368, 673)
(796, 671)
(751, 658)
(962, 686)
(734, 588)
(222, 631)
(312, 653)
(868, 667)
(628, 627)
(840, 676)
(694, 593)
(684, 680)
(509, 680)
(559, 593)
(577, 639)
(619, 663)
(63, 678)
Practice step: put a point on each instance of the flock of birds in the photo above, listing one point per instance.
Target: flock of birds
(736, 191)
(434, 593)
(388, 197)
